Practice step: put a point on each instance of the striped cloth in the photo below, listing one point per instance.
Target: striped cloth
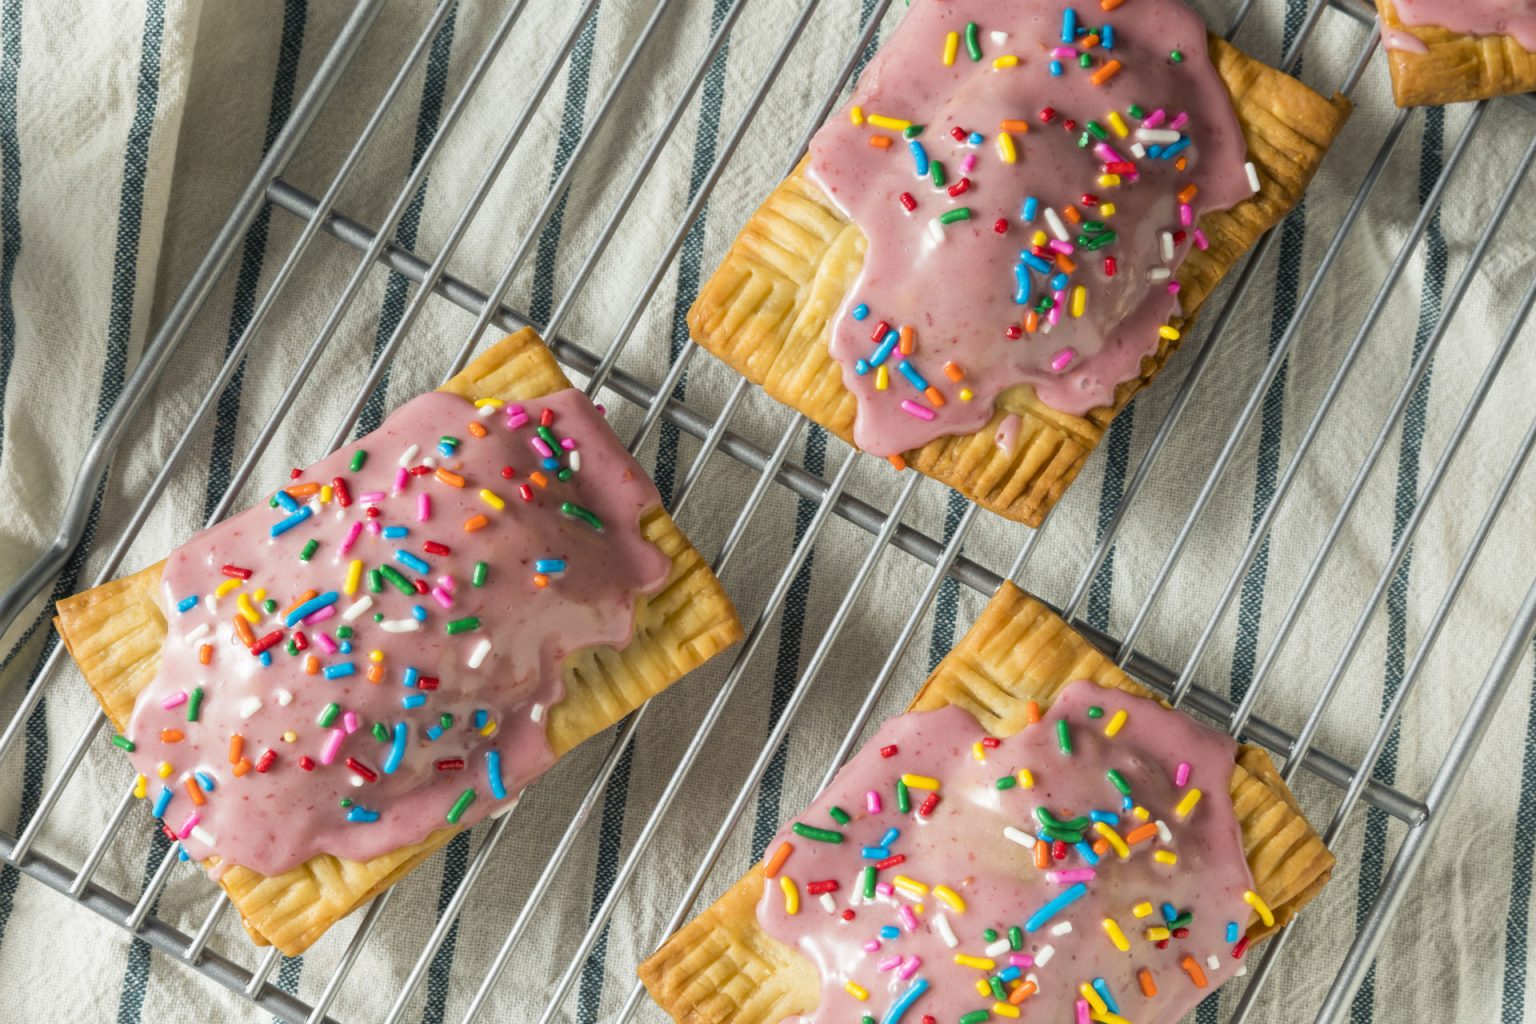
(128, 126)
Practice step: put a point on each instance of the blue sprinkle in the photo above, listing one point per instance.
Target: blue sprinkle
(309, 608)
(550, 463)
(1154, 152)
(891, 835)
(1069, 26)
(280, 528)
(363, 814)
(1008, 974)
(1169, 913)
(890, 931)
(445, 450)
(1126, 803)
(1058, 282)
(1102, 988)
(975, 139)
(397, 748)
(415, 700)
(418, 613)
(874, 853)
(410, 677)
(1020, 285)
(481, 718)
(286, 501)
(1055, 906)
(860, 311)
(1107, 37)
(1175, 148)
(1107, 817)
(346, 647)
(434, 733)
(1231, 931)
(1056, 68)
(1030, 208)
(186, 604)
(913, 377)
(919, 157)
(394, 532)
(861, 367)
(205, 780)
(887, 346)
(265, 659)
(550, 565)
(410, 561)
(181, 854)
(493, 774)
(1086, 852)
(903, 1004)
(163, 801)
(340, 671)
(1034, 262)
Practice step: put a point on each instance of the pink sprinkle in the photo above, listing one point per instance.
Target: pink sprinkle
(443, 597)
(1180, 121)
(1063, 359)
(351, 538)
(1186, 215)
(402, 477)
(538, 445)
(1070, 877)
(884, 888)
(1065, 248)
(320, 616)
(872, 946)
(908, 919)
(1200, 241)
(447, 583)
(968, 164)
(516, 422)
(423, 507)
(349, 722)
(1173, 287)
(1021, 960)
(332, 746)
(1155, 118)
(187, 826)
(326, 643)
(1181, 776)
(1104, 151)
(374, 529)
(371, 496)
(1063, 51)
(568, 444)
(872, 802)
(1081, 1009)
(175, 700)
(913, 963)
(911, 408)
(890, 963)
(517, 410)
(1054, 316)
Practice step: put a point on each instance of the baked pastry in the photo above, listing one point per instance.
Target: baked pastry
(320, 692)
(947, 870)
(1447, 52)
(1001, 237)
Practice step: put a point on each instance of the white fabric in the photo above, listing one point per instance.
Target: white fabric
(1448, 957)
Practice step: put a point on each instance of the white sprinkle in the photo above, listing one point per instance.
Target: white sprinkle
(477, 655)
(284, 697)
(1159, 274)
(1019, 836)
(1138, 150)
(1156, 136)
(1163, 835)
(536, 713)
(1253, 175)
(203, 836)
(1212, 963)
(409, 456)
(945, 931)
(1165, 239)
(211, 603)
(997, 948)
(1053, 221)
(1241, 972)
(357, 780)
(359, 606)
(250, 707)
(429, 462)
(486, 410)
(828, 903)
(575, 460)
(936, 231)
(1061, 928)
(399, 625)
(1044, 956)
(998, 37)
(1032, 977)
(197, 634)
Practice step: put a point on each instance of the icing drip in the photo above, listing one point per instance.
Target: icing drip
(1515, 18)
(372, 656)
(1038, 173)
(964, 919)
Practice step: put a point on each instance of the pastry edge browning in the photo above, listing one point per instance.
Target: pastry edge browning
(722, 967)
(115, 632)
(767, 309)
(1457, 68)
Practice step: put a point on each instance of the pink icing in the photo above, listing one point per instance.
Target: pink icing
(961, 844)
(273, 816)
(954, 285)
(1473, 17)
(1398, 39)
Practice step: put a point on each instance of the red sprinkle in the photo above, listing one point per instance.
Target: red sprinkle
(958, 134)
(272, 639)
(236, 571)
(418, 471)
(432, 547)
(1109, 266)
(420, 585)
(929, 803)
(372, 511)
(907, 201)
(267, 759)
(1241, 948)
(1014, 331)
(848, 915)
(1181, 933)
(1120, 167)
(1069, 125)
(889, 751)
(817, 888)
(960, 187)
(307, 763)
(880, 331)
(1001, 226)
(1059, 850)
(1088, 199)
(547, 418)
(427, 682)
(449, 764)
(300, 641)
(1046, 113)
(339, 488)
(295, 473)
(991, 742)
(507, 472)
(891, 861)
(368, 774)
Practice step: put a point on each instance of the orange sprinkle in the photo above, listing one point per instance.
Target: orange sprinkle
(1072, 214)
(1009, 124)
(205, 654)
(243, 631)
(477, 429)
(1042, 856)
(1032, 322)
(777, 860)
(1032, 712)
(539, 478)
(1190, 191)
(1148, 986)
(954, 372)
(1105, 73)
(304, 597)
(880, 141)
(195, 792)
(301, 491)
(375, 673)
(897, 462)
(1089, 41)
(908, 341)
(540, 580)
(933, 396)
(311, 665)
(1101, 846)
(1022, 993)
(1140, 834)
(1192, 968)
(451, 479)
(1109, 5)
(474, 523)
(1181, 163)
(1065, 264)
(171, 736)
(241, 767)
(236, 748)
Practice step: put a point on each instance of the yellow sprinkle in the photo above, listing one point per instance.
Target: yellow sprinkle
(226, 587)
(140, 786)
(1040, 238)
(1005, 1009)
(494, 403)
(165, 769)
(1117, 123)
(982, 988)
(490, 727)
(1158, 934)
(920, 781)
(1007, 60)
(1026, 778)
(1168, 331)
(882, 377)
(1121, 850)
(1188, 803)
(856, 115)
(1109, 180)
(1115, 724)
(290, 736)
(1142, 909)
(248, 613)
(966, 394)
(856, 990)
(894, 124)
(1142, 813)
(1005, 148)
(910, 885)
(1092, 998)
(354, 576)
(1106, 209)
(951, 48)
(950, 898)
(492, 499)
(375, 656)
(981, 963)
(1166, 857)
(791, 895)
(1256, 901)
(978, 751)
(1112, 929)
(325, 494)
(1111, 1018)
(1080, 303)
(261, 593)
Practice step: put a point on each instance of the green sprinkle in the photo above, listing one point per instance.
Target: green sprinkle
(972, 43)
(450, 440)
(1083, 140)
(1097, 129)
(997, 989)
(1007, 782)
(867, 1019)
(1136, 110)
(951, 216)
(1177, 56)
(328, 715)
(1015, 938)
(446, 721)
(358, 458)
(1063, 736)
(291, 647)
(1095, 711)
(821, 835)
(936, 173)
(195, 704)
(1099, 241)
(548, 436)
(565, 474)
(1182, 921)
(975, 1017)
(346, 801)
(269, 606)
(575, 511)
(903, 798)
(912, 131)
(396, 580)
(460, 805)
(463, 625)
(839, 815)
(309, 550)
(344, 632)
(989, 934)
(1049, 820)
(869, 881)
(1093, 227)
(380, 733)
(124, 743)
(1118, 781)
(1085, 61)
(478, 579)
(375, 581)
(378, 616)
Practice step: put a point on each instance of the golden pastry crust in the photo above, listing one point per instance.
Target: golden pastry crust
(115, 632)
(1456, 67)
(767, 310)
(722, 967)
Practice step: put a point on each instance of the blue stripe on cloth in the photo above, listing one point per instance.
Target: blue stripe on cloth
(946, 605)
(392, 309)
(1517, 921)
(10, 191)
(1117, 459)
(1374, 847)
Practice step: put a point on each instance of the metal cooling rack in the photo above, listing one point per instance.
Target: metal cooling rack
(1348, 779)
